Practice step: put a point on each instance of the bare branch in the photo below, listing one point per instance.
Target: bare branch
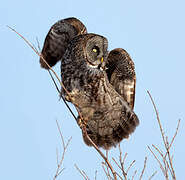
(40, 55)
(158, 119)
(168, 164)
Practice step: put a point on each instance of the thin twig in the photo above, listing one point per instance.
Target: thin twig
(158, 119)
(159, 151)
(38, 44)
(175, 133)
(157, 160)
(59, 163)
(106, 164)
(108, 176)
(143, 169)
(119, 176)
(61, 95)
(152, 175)
(61, 136)
(122, 161)
(125, 177)
(82, 173)
(54, 82)
(166, 166)
(134, 174)
(117, 163)
(95, 175)
(57, 156)
(170, 161)
(131, 164)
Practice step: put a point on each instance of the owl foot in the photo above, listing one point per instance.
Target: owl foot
(81, 122)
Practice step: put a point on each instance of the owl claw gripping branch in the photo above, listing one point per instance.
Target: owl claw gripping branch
(101, 84)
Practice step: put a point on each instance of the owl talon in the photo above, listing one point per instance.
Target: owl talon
(81, 123)
(67, 98)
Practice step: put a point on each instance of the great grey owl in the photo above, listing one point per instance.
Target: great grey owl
(100, 84)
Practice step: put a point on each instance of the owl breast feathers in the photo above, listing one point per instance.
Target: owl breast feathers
(100, 84)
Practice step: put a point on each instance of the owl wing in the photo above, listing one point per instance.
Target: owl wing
(57, 40)
(121, 74)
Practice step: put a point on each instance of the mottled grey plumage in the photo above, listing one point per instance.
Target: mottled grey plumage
(58, 38)
(121, 74)
(106, 115)
(100, 84)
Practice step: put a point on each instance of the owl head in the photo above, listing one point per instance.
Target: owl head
(95, 50)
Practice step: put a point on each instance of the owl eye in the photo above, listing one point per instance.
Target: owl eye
(96, 50)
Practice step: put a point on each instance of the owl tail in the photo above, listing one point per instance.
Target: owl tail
(127, 126)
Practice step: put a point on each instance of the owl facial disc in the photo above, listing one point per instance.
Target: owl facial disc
(96, 49)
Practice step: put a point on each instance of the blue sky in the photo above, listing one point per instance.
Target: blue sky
(153, 34)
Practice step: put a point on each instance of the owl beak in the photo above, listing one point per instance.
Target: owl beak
(102, 65)
(102, 60)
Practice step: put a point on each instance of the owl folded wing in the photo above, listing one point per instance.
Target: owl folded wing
(121, 74)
